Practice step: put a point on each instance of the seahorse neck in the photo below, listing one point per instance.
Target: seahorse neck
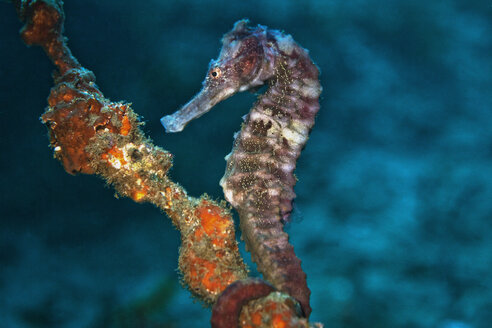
(293, 86)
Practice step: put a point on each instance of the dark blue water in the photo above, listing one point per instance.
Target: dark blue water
(393, 217)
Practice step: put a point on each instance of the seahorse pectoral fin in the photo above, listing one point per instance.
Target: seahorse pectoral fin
(196, 107)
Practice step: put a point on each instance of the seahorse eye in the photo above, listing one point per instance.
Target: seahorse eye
(215, 73)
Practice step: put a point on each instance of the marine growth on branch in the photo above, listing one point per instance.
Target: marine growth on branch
(93, 135)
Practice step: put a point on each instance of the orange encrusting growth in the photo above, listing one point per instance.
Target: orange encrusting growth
(213, 224)
(277, 310)
(208, 258)
(115, 157)
(256, 319)
(278, 321)
(202, 273)
(138, 195)
(126, 126)
(118, 159)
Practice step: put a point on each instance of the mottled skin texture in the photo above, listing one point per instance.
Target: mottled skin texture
(259, 176)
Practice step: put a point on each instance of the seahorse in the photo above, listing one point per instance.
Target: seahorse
(259, 177)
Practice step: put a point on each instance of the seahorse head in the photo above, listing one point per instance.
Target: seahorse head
(241, 65)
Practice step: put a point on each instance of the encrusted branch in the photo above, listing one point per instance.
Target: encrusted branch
(93, 135)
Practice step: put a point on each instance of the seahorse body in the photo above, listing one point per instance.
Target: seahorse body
(259, 176)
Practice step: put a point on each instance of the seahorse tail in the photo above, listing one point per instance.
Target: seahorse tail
(274, 256)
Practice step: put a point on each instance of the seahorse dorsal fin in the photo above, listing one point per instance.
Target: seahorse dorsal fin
(240, 29)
